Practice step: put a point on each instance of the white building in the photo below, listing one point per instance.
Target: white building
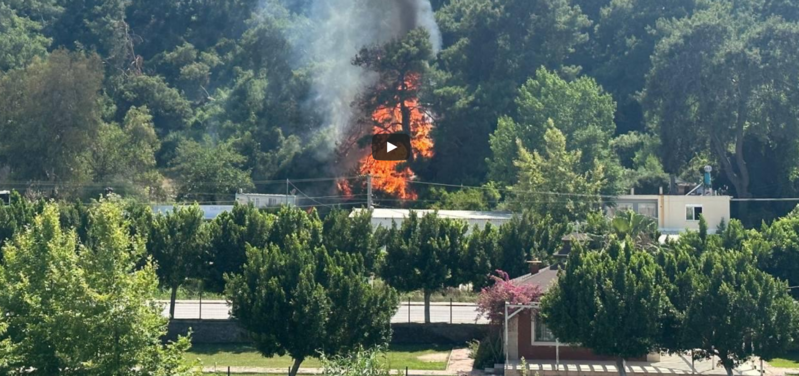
(676, 214)
(210, 212)
(386, 217)
(261, 201)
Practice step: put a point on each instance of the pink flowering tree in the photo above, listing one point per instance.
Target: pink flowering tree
(491, 302)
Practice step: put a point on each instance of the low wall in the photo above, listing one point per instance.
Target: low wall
(437, 333)
(228, 331)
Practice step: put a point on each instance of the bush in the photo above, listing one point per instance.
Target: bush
(359, 363)
(487, 352)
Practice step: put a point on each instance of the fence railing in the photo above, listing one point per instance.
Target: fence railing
(408, 312)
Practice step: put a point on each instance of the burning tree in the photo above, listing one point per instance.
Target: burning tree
(393, 106)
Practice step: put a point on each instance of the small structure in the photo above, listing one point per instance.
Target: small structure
(387, 217)
(210, 212)
(527, 336)
(5, 197)
(675, 214)
(262, 201)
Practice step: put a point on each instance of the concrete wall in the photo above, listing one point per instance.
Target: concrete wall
(672, 213)
(229, 331)
(672, 210)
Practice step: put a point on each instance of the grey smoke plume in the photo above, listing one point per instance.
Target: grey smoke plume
(339, 29)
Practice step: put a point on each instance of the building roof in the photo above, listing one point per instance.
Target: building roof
(451, 214)
(544, 279)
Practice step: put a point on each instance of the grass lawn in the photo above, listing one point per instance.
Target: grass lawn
(432, 357)
(789, 360)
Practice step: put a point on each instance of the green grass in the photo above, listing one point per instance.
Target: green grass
(789, 360)
(222, 356)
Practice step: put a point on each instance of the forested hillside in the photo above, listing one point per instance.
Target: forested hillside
(194, 100)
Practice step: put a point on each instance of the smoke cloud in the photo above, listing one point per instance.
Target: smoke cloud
(337, 30)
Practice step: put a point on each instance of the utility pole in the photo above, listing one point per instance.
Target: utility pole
(369, 203)
(287, 192)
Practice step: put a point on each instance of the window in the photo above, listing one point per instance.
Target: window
(272, 202)
(649, 210)
(692, 212)
(540, 331)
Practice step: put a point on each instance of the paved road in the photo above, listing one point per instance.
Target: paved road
(439, 312)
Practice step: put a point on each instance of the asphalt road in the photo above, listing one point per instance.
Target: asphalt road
(461, 313)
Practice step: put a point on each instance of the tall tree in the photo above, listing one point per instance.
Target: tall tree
(623, 40)
(423, 254)
(553, 182)
(617, 290)
(49, 115)
(399, 64)
(84, 308)
(578, 108)
(126, 154)
(206, 171)
(178, 243)
(230, 235)
(493, 47)
(20, 39)
(301, 300)
(736, 83)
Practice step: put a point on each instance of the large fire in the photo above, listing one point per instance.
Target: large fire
(393, 177)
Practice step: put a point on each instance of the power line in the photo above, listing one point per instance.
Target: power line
(765, 199)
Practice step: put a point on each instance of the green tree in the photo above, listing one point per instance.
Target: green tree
(481, 257)
(749, 67)
(423, 254)
(301, 300)
(230, 235)
(579, 109)
(127, 154)
(617, 290)
(482, 199)
(642, 230)
(777, 249)
(20, 39)
(493, 47)
(353, 234)
(623, 40)
(19, 213)
(178, 243)
(294, 222)
(84, 308)
(735, 311)
(205, 171)
(170, 110)
(49, 115)
(554, 183)
(528, 236)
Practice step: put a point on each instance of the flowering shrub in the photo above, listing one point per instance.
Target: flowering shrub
(492, 299)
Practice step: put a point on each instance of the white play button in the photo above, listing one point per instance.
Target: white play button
(390, 147)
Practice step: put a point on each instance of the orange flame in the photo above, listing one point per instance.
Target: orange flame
(393, 177)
